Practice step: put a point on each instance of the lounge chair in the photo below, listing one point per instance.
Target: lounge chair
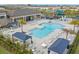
(44, 45)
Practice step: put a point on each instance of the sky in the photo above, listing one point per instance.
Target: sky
(39, 1)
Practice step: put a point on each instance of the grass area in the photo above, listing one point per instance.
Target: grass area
(3, 51)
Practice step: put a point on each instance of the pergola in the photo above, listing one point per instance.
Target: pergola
(21, 36)
(59, 46)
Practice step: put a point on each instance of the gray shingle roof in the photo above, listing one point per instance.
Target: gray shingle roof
(21, 12)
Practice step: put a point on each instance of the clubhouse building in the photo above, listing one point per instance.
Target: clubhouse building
(12, 16)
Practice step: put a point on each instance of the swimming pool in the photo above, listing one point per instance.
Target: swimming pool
(45, 29)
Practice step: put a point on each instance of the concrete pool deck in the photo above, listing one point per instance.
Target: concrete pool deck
(51, 38)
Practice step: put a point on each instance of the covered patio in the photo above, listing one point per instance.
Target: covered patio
(26, 14)
(22, 37)
(59, 46)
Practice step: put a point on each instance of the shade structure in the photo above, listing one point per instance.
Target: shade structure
(59, 46)
(21, 36)
(59, 12)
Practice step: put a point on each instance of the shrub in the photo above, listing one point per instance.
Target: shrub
(13, 47)
(73, 47)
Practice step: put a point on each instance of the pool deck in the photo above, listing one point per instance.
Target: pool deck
(38, 44)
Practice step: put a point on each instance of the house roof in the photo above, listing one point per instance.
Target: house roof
(21, 36)
(21, 12)
(59, 45)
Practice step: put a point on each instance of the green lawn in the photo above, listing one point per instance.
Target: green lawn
(3, 51)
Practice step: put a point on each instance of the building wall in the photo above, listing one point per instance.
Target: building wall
(25, 17)
(3, 19)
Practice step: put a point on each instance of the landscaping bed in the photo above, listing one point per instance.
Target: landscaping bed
(6, 44)
(3, 51)
(75, 45)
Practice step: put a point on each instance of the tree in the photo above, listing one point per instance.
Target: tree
(46, 12)
(24, 45)
(18, 47)
(22, 22)
(74, 45)
(10, 44)
(74, 22)
(67, 31)
(71, 13)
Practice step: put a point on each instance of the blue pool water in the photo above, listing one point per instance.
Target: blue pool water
(45, 29)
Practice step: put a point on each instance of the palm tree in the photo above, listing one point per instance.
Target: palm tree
(74, 22)
(45, 12)
(24, 46)
(67, 31)
(18, 47)
(22, 22)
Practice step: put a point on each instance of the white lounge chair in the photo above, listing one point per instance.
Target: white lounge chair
(44, 45)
